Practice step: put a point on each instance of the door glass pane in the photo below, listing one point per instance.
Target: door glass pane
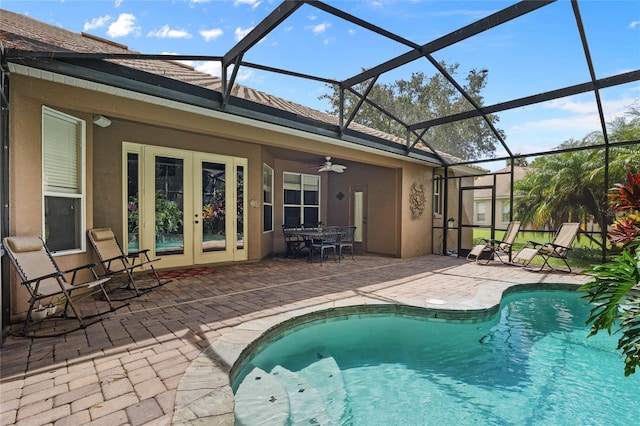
(213, 207)
(133, 206)
(240, 207)
(169, 205)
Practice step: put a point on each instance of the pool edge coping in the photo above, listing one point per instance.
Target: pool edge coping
(204, 394)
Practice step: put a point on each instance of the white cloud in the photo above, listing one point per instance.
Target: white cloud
(351, 31)
(320, 28)
(252, 3)
(211, 34)
(572, 120)
(97, 23)
(244, 75)
(117, 3)
(123, 26)
(166, 32)
(239, 33)
(634, 24)
(570, 105)
(213, 68)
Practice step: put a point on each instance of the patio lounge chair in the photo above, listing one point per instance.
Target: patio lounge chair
(488, 249)
(115, 262)
(44, 280)
(558, 248)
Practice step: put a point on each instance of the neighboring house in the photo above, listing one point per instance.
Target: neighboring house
(152, 149)
(498, 183)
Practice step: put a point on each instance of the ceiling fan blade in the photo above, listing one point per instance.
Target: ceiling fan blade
(338, 168)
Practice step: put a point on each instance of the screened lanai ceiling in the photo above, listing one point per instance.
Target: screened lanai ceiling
(552, 71)
(535, 112)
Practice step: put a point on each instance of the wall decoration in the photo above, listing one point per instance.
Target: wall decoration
(417, 199)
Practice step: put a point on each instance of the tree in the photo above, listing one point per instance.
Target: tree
(422, 98)
(569, 186)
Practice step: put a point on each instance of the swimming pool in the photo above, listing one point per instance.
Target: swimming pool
(528, 363)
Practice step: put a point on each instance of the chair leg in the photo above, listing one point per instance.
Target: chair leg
(481, 261)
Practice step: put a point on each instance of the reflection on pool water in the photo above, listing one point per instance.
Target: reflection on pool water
(529, 364)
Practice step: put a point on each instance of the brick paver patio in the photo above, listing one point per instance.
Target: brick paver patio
(129, 368)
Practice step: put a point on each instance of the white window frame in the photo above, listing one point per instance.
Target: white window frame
(81, 140)
(267, 188)
(437, 195)
(505, 210)
(481, 209)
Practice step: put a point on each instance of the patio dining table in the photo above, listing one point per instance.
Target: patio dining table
(307, 236)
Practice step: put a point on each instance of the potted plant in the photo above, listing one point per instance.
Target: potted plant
(43, 311)
(613, 292)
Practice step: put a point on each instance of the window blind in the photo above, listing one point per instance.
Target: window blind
(60, 155)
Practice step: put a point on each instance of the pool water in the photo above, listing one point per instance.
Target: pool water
(531, 364)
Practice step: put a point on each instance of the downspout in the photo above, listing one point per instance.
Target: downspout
(5, 294)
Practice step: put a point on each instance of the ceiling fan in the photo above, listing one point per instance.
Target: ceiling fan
(328, 166)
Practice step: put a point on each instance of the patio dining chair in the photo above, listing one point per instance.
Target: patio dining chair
(488, 249)
(327, 240)
(346, 241)
(45, 281)
(293, 240)
(557, 249)
(115, 262)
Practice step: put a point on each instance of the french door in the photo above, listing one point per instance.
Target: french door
(189, 205)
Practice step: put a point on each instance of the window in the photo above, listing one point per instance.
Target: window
(480, 211)
(505, 211)
(63, 181)
(267, 198)
(301, 199)
(437, 190)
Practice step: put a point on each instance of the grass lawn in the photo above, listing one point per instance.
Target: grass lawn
(584, 253)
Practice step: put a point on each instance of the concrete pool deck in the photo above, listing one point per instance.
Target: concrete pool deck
(165, 359)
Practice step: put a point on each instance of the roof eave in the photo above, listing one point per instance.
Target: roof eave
(127, 78)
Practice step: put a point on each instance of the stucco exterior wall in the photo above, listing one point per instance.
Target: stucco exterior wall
(391, 228)
(416, 227)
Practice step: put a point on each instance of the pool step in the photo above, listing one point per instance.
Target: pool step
(261, 400)
(305, 403)
(325, 376)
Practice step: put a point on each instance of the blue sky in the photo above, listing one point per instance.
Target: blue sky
(536, 53)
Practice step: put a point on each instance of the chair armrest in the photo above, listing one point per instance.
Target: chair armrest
(137, 253)
(74, 271)
(111, 259)
(44, 277)
(534, 244)
(558, 246)
(79, 268)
